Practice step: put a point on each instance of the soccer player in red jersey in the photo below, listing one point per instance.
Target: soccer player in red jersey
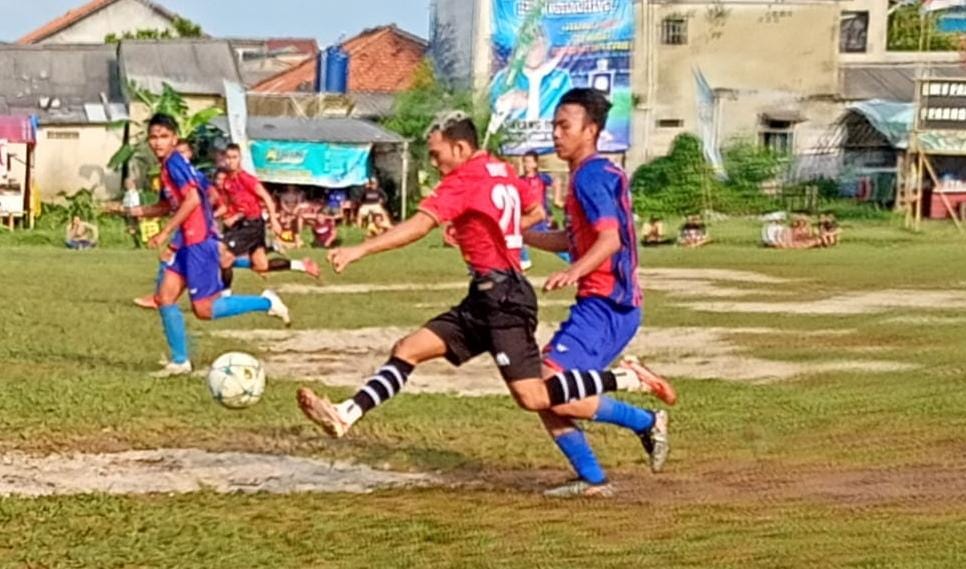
(601, 239)
(488, 207)
(245, 230)
(194, 262)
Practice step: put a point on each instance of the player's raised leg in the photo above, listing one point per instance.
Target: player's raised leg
(385, 383)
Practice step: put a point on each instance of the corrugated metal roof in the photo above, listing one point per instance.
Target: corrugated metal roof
(190, 66)
(889, 82)
(371, 105)
(57, 82)
(346, 131)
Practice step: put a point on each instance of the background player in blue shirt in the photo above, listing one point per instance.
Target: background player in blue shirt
(601, 239)
(195, 264)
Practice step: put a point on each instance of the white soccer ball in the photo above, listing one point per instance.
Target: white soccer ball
(236, 380)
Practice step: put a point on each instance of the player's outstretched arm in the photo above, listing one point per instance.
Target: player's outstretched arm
(409, 231)
(552, 241)
(269, 203)
(608, 243)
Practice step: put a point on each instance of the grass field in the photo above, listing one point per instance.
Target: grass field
(829, 468)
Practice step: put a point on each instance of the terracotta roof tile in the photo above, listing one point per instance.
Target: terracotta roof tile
(78, 14)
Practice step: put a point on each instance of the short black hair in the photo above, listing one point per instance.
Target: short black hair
(594, 102)
(462, 131)
(164, 121)
(233, 146)
(532, 154)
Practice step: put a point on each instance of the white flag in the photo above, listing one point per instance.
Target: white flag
(707, 123)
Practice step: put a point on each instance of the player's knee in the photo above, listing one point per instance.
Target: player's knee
(531, 400)
(404, 349)
(202, 311)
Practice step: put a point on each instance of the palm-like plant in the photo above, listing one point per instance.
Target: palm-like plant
(194, 127)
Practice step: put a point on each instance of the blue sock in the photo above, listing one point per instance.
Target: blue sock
(624, 415)
(229, 306)
(243, 263)
(175, 333)
(575, 447)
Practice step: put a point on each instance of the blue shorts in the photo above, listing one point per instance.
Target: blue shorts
(594, 336)
(200, 267)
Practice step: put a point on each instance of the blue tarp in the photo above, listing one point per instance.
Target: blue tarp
(311, 163)
(894, 120)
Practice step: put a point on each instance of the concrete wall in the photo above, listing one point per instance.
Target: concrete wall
(120, 17)
(763, 56)
(71, 157)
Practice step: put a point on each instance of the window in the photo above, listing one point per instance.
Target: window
(854, 34)
(63, 135)
(778, 136)
(670, 123)
(674, 31)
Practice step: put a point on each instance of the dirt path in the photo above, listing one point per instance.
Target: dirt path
(188, 470)
(341, 357)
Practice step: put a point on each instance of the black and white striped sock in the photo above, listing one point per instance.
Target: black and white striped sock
(573, 385)
(387, 382)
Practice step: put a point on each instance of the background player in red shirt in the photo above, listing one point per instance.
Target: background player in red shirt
(601, 239)
(245, 230)
(488, 207)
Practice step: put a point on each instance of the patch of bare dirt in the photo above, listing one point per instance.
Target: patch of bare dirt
(188, 470)
(342, 357)
(846, 304)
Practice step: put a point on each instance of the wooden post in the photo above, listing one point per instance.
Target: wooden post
(918, 198)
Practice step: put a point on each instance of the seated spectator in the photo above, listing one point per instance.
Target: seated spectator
(828, 230)
(775, 233)
(694, 233)
(81, 235)
(652, 233)
(377, 224)
(802, 234)
(373, 201)
(335, 203)
(291, 236)
(324, 231)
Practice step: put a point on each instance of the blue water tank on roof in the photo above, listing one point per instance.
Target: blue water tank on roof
(333, 71)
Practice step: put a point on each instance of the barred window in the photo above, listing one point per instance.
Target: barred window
(674, 31)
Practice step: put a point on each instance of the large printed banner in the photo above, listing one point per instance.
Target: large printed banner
(311, 163)
(542, 49)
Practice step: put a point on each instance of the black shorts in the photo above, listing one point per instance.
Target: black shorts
(245, 237)
(499, 316)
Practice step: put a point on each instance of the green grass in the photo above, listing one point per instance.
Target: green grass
(74, 354)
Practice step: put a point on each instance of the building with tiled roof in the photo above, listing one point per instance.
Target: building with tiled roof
(94, 21)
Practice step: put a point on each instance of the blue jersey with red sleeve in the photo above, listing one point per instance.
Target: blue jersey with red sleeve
(178, 177)
(599, 200)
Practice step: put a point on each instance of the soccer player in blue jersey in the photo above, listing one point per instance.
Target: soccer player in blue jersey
(195, 262)
(600, 238)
